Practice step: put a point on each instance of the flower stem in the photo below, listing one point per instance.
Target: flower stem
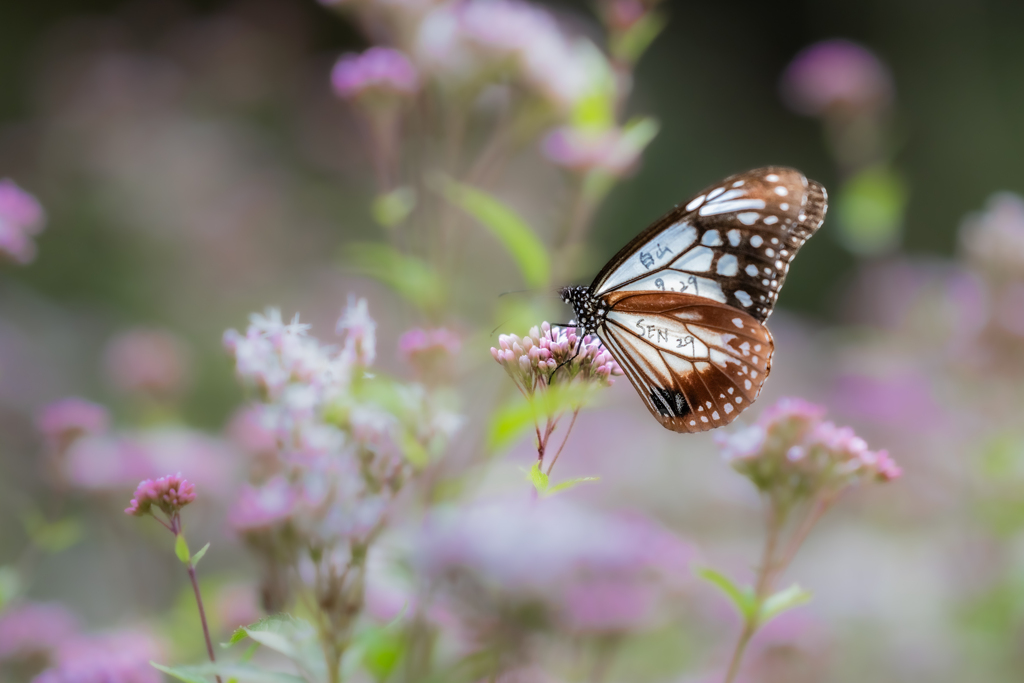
(766, 573)
(202, 613)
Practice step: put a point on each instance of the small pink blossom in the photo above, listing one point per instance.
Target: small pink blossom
(34, 629)
(170, 494)
(264, 506)
(793, 453)
(359, 331)
(148, 362)
(530, 360)
(379, 71)
(64, 421)
(994, 237)
(117, 657)
(835, 74)
(429, 351)
(584, 150)
(21, 218)
(249, 428)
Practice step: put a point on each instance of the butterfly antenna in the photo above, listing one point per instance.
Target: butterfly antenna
(579, 346)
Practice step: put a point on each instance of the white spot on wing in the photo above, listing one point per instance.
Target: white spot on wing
(697, 260)
(743, 297)
(695, 203)
(711, 239)
(735, 205)
(715, 192)
(751, 270)
(734, 237)
(756, 241)
(781, 191)
(728, 408)
(772, 178)
(747, 217)
(728, 265)
(771, 220)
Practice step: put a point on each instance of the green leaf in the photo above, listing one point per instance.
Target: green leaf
(570, 483)
(538, 478)
(181, 548)
(632, 43)
(202, 673)
(291, 637)
(742, 598)
(10, 585)
(393, 207)
(182, 673)
(870, 209)
(198, 556)
(508, 423)
(412, 278)
(783, 600)
(506, 225)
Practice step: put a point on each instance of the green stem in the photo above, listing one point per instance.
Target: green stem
(202, 613)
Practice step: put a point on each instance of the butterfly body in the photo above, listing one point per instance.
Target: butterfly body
(682, 306)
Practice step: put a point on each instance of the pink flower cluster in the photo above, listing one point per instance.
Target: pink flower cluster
(21, 218)
(33, 629)
(461, 41)
(578, 149)
(836, 74)
(170, 494)
(590, 571)
(429, 351)
(117, 657)
(64, 421)
(792, 452)
(147, 362)
(380, 72)
(531, 360)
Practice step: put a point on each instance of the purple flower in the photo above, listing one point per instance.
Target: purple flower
(259, 508)
(359, 331)
(118, 657)
(530, 360)
(34, 629)
(170, 494)
(836, 74)
(902, 398)
(249, 429)
(64, 421)
(147, 362)
(994, 238)
(556, 553)
(582, 150)
(21, 217)
(791, 453)
(429, 351)
(380, 71)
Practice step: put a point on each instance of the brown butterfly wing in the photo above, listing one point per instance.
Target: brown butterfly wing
(695, 363)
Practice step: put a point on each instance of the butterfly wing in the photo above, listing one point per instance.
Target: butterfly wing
(696, 363)
(731, 244)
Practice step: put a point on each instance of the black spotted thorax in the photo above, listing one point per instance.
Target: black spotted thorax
(586, 308)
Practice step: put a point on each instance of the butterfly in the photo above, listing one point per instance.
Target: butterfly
(682, 307)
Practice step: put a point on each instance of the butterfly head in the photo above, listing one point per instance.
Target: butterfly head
(587, 314)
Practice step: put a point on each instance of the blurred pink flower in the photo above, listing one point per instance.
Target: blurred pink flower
(119, 461)
(1009, 309)
(34, 628)
(793, 454)
(530, 360)
(901, 399)
(147, 362)
(248, 429)
(835, 74)
(583, 150)
(556, 552)
(21, 217)
(994, 238)
(170, 494)
(359, 331)
(429, 351)
(65, 420)
(380, 71)
(117, 657)
(236, 605)
(262, 507)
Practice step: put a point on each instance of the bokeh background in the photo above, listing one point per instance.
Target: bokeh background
(195, 165)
